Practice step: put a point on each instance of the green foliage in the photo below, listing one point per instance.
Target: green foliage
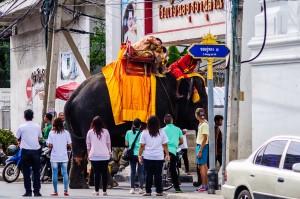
(97, 46)
(7, 138)
(184, 51)
(4, 64)
(174, 54)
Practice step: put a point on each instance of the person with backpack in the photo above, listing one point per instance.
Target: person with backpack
(132, 140)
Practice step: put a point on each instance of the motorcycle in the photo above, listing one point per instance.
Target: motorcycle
(3, 157)
(12, 169)
(45, 168)
(45, 165)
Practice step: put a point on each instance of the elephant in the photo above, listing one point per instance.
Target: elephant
(91, 98)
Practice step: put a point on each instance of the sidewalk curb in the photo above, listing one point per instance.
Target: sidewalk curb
(195, 195)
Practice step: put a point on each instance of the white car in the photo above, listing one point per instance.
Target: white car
(272, 171)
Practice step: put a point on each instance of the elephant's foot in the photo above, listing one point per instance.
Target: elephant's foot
(77, 179)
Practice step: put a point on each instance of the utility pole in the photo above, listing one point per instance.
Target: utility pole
(54, 56)
(48, 41)
(234, 97)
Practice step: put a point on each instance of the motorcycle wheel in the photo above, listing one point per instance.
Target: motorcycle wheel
(42, 172)
(167, 181)
(10, 172)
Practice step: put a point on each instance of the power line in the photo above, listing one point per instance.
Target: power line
(265, 36)
(80, 13)
(21, 18)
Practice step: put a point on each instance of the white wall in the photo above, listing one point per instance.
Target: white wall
(275, 74)
(26, 60)
(251, 8)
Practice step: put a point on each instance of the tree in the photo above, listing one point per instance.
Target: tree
(4, 64)
(97, 47)
(174, 54)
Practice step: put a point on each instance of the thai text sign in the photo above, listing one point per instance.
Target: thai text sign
(217, 51)
(166, 12)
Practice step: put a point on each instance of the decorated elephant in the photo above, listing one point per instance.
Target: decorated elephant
(92, 98)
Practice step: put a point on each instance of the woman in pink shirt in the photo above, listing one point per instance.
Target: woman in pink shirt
(99, 152)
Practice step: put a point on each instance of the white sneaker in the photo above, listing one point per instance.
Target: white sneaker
(95, 193)
(141, 191)
(105, 193)
(131, 191)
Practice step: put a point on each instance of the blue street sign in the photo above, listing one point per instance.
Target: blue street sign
(217, 51)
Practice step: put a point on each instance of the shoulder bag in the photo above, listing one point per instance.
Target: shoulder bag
(128, 152)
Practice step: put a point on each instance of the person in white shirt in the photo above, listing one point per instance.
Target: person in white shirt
(153, 143)
(184, 148)
(30, 134)
(59, 140)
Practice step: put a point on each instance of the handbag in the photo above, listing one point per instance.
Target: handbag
(128, 153)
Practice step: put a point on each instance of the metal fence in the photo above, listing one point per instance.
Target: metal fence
(5, 118)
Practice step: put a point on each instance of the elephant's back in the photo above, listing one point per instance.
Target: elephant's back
(91, 98)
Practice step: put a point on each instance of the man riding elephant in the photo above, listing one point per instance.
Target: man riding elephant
(185, 65)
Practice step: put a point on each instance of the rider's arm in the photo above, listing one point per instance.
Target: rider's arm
(126, 143)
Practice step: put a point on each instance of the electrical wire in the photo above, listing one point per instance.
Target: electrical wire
(21, 18)
(265, 36)
(80, 13)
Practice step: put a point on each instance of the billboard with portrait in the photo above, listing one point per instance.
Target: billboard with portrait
(129, 28)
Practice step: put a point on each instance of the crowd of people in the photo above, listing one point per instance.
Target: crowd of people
(151, 147)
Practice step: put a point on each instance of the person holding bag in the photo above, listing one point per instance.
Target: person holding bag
(132, 140)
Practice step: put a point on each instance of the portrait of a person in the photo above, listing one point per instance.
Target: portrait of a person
(129, 26)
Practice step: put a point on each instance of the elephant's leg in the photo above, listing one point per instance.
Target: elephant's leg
(78, 165)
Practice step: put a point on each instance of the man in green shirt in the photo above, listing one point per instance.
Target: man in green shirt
(175, 137)
(48, 127)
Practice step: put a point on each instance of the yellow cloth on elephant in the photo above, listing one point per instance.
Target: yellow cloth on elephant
(131, 96)
(193, 74)
(196, 97)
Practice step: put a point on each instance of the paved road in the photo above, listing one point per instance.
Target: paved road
(15, 190)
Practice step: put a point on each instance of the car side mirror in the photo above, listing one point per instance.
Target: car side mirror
(296, 167)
